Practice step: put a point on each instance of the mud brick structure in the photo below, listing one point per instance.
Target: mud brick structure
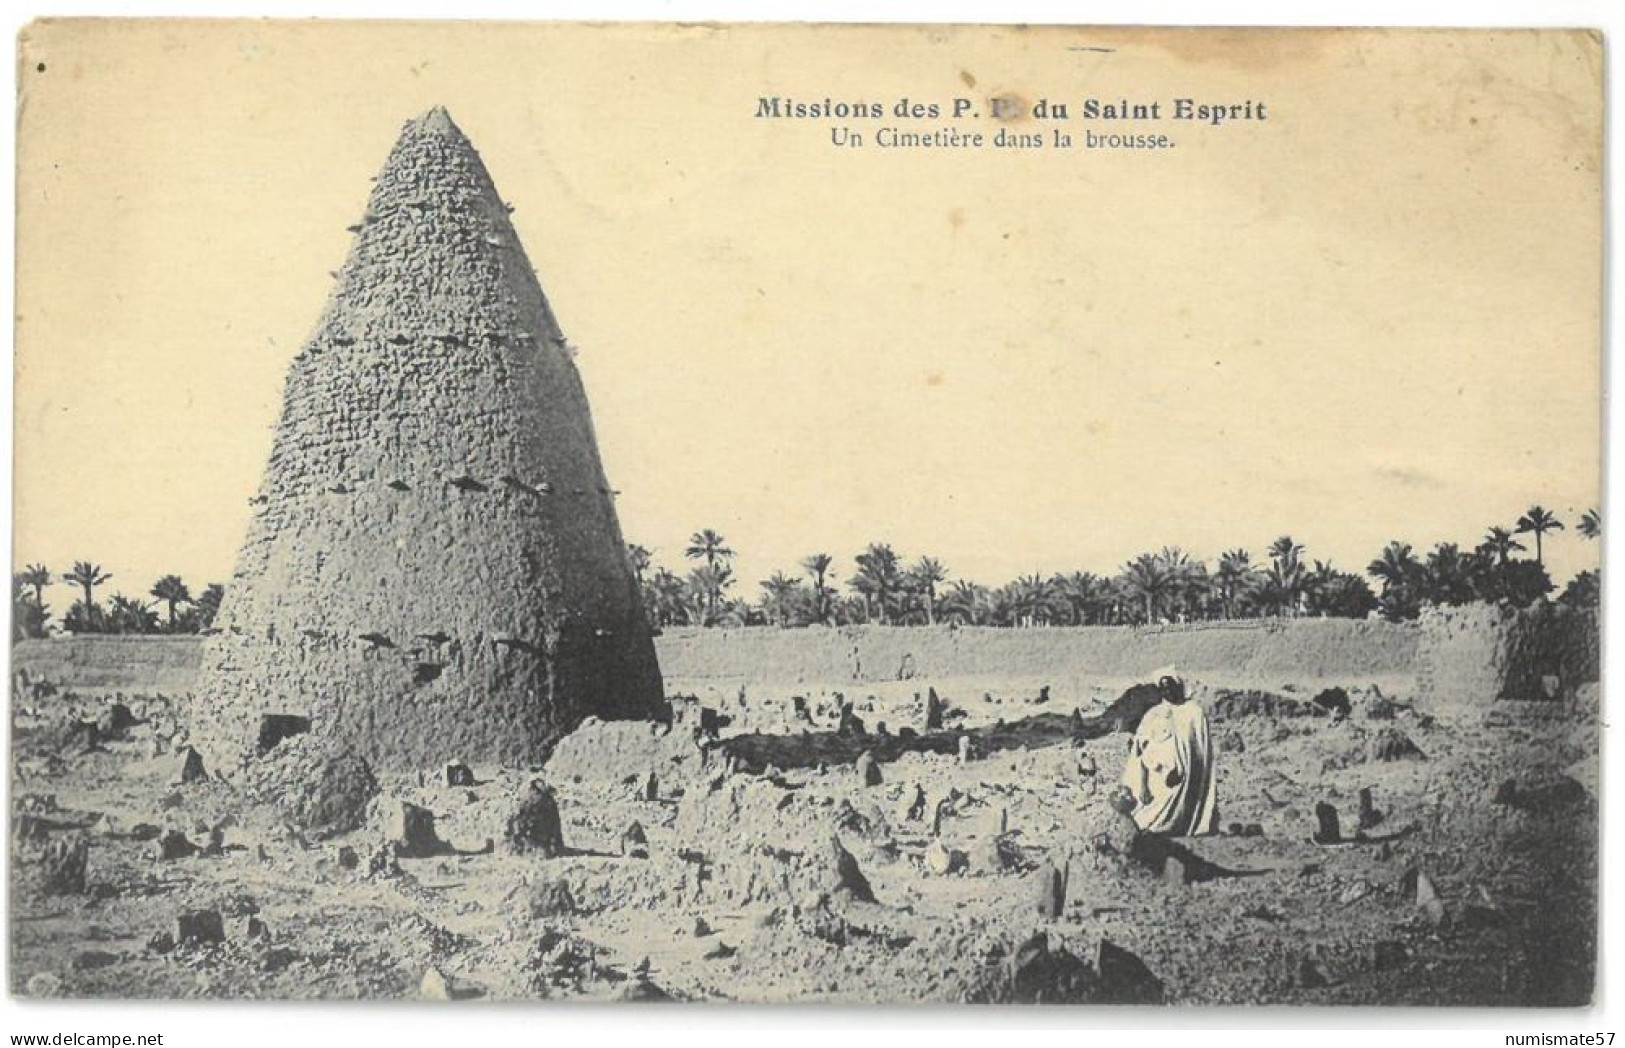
(434, 567)
(1473, 655)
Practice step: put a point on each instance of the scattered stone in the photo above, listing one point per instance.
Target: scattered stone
(1369, 815)
(250, 928)
(81, 736)
(171, 801)
(535, 826)
(1388, 954)
(990, 855)
(1334, 701)
(278, 959)
(1353, 893)
(458, 774)
(550, 897)
(847, 877)
(641, 989)
(1329, 830)
(161, 943)
(1124, 978)
(942, 860)
(115, 721)
(933, 710)
(1546, 793)
(1041, 975)
(1174, 872)
(1427, 899)
(434, 986)
(1380, 708)
(916, 805)
(1049, 892)
(382, 862)
(348, 859)
(1310, 977)
(867, 770)
(411, 831)
(701, 928)
(964, 749)
(719, 952)
(43, 984)
(63, 865)
(90, 960)
(635, 842)
(174, 845)
(1391, 744)
(200, 926)
(188, 767)
(1477, 915)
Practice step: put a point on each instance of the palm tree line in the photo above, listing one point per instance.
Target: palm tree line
(172, 609)
(1168, 585)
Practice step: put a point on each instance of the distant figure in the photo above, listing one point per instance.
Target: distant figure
(1170, 773)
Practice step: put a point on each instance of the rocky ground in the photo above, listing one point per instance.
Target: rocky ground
(917, 877)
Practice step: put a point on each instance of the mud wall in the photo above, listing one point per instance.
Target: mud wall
(1275, 652)
(1480, 653)
(134, 665)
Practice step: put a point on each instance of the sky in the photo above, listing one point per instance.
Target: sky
(1374, 315)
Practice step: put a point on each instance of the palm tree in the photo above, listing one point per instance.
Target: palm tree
(1235, 575)
(36, 577)
(1590, 525)
(1144, 579)
(781, 591)
(1088, 596)
(708, 546)
(86, 576)
(1187, 581)
(878, 579)
(668, 596)
(707, 584)
(1500, 543)
(172, 591)
(1396, 566)
(128, 615)
(817, 565)
(1286, 573)
(968, 602)
(926, 575)
(1538, 522)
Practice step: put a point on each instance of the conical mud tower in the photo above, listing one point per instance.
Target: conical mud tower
(434, 567)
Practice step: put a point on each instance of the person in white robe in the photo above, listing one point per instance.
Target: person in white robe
(1170, 772)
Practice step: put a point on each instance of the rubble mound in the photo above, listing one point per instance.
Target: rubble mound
(1391, 744)
(323, 787)
(1238, 705)
(534, 826)
(604, 752)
